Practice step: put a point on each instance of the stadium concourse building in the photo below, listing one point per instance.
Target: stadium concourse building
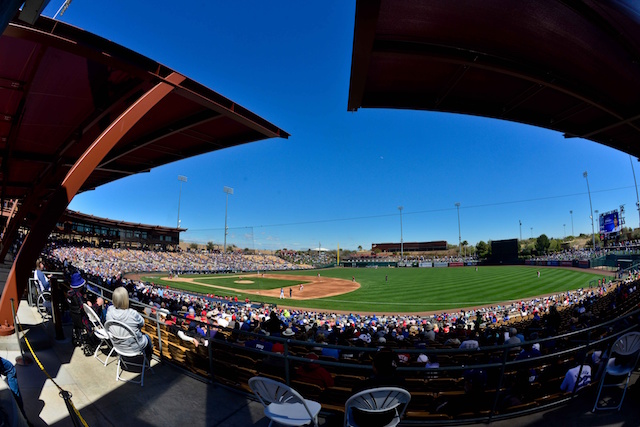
(76, 227)
(440, 245)
(385, 254)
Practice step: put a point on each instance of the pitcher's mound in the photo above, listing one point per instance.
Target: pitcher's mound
(243, 282)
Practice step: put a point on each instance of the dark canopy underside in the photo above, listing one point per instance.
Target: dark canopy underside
(61, 87)
(570, 66)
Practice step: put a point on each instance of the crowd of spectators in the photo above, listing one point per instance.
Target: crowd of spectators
(632, 244)
(568, 255)
(411, 258)
(308, 258)
(108, 263)
(627, 247)
(104, 267)
(450, 328)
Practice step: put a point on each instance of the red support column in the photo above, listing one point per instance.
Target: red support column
(76, 177)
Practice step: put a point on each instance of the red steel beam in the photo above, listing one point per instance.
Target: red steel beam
(75, 178)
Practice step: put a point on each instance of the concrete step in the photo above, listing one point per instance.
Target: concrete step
(37, 331)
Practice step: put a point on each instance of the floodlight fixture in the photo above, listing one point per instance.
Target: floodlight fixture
(401, 241)
(636, 183)
(593, 231)
(227, 191)
(572, 232)
(182, 179)
(520, 221)
(459, 234)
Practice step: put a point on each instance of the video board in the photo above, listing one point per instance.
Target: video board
(610, 222)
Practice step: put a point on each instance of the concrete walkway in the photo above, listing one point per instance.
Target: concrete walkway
(169, 396)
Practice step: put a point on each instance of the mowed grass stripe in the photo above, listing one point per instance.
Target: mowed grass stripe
(435, 289)
(497, 284)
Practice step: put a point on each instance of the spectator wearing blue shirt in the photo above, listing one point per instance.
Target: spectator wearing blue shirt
(43, 281)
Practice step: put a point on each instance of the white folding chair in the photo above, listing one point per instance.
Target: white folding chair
(39, 297)
(283, 404)
(44, 304)
(121, 336)
(100, 332)
(383, 404)
(628, 347)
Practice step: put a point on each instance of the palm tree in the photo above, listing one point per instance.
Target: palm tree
(464, 245)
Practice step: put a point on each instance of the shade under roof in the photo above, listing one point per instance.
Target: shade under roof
(570, 66)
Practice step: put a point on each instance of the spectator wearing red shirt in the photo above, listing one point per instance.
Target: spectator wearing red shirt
(314, 373)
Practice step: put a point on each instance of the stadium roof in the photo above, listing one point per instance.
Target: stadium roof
(570, 66)
(61, 87)
(78, 111)
(70, 215)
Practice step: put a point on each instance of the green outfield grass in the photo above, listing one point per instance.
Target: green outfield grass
(405, 290)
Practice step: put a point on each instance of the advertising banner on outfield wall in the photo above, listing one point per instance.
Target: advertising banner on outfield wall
(440, 264)
(583, 264)
(425, 264)
(471, 263)
(553, 262)
(456, 264)
(566, 263)
(529, 262)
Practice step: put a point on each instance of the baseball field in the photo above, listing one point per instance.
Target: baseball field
(389, 290)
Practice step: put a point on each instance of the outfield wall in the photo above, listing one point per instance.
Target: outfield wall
(406, 264)
(557, 263)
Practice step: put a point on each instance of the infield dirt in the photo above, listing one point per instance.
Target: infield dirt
(314, 287)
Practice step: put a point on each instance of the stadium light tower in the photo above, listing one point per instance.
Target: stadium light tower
(401, 242)
(459, 234)
(532, 232)
(520, 221)
(636, 183)
(593, 231)
(182, 179)
(227, 190)
(572, 233)
(565, 230)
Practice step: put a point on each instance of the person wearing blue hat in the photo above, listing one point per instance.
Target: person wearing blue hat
(75, 300)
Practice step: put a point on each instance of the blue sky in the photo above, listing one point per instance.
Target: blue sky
(340, 177)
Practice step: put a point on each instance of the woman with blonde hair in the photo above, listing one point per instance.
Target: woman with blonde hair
(121, 312)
